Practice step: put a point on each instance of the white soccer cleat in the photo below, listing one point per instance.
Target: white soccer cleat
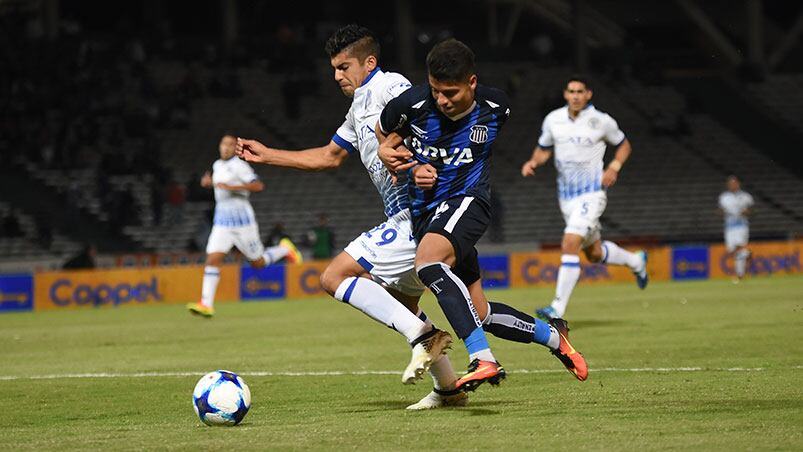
(426, 350)
(440, 399)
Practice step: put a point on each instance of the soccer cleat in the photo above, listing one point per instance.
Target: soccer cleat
(571, 358)
(200, 309)
(642, 278)
(293, 254)
(426, 350)
(439, 398)
(546, 313)
(478, 373)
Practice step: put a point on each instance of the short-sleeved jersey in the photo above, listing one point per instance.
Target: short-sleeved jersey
(357, 133)
(232, 208)
(579, 146)
(459, 149)
(734, 204)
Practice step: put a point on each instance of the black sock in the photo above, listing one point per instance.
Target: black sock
(508, 323)
(453, 297)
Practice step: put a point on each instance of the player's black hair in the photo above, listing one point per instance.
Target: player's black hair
(451, 61)
(579, 78)
(357, 40)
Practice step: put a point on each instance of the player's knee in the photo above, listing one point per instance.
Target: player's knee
(331, 280)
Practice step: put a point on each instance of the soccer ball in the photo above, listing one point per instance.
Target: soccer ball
(221, 398)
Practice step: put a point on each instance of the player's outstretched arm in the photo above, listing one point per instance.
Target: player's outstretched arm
(313, 159)
(611, 173)
(539, 158)
(254, 187)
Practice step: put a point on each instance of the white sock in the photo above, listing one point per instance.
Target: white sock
(568, 274)
(274, 254)
(740, 262)
(370, 298)
(613, 254)
(482, 355)
(209, 286)
(443, 376)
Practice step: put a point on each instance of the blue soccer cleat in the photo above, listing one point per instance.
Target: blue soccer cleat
(547, 313)
(642, 278)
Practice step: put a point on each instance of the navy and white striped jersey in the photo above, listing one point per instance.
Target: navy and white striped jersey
(459, 149)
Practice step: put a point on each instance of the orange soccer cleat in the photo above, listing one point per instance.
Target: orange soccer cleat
(478, 373)
(571, 358)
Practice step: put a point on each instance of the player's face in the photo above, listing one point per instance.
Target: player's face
(226, 147)
(733, 184)
(577, 95)
(453, 98)
(350, 72)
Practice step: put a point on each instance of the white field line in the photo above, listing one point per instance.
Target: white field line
(336, 373)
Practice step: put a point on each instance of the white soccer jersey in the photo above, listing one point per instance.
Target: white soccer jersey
(579, 145)
(232, 208)
(357, 133)
(734, 205)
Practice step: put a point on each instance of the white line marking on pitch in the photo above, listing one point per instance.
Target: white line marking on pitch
(335, 373)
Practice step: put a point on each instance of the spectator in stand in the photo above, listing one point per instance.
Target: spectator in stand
(85, 259)
(321, 239)
(175, 197)
(11, 225)
(157, 197)
(277, 234)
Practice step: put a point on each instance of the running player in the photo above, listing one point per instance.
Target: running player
(451, 124)
(577, 133)
(735, 205)
(353, 53)
(234, 224)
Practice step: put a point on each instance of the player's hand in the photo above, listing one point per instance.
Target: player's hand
(528, 169)
(206, 180)
(396, 158)
(609, 177)
(425, 176)
(251, 151)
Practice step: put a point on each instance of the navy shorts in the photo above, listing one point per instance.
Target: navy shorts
(462, 220)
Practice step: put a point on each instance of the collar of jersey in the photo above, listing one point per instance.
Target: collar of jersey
(589, 106)
(370, 76)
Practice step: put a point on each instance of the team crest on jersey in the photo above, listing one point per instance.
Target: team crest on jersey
(593, 123)
(479, 134)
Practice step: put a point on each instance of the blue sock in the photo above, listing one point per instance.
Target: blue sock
(541, 332)
(477, 346)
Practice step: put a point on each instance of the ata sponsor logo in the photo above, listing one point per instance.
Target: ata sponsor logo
(64, 293)
(534, 271)
(766, 264)
(690, 262)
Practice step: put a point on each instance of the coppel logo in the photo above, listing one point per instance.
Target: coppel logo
(64, 293)
(766, 263)
(533, 271)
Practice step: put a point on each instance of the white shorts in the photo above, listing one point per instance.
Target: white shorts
(387, 252)
(582, 214)
(245, 238)
(736, 236)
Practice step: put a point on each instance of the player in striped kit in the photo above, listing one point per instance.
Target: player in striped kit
(735, 205)
(234, 224)
(577, 134)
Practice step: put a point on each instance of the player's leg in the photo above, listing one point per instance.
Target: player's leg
(568, 275)
(220, 242)
(506, 322)
(610, 253)
(741, 255)
(448, 242)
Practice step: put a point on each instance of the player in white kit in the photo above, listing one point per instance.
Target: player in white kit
(735, 205)
(377, 268)
(234, 224)
(577, 134)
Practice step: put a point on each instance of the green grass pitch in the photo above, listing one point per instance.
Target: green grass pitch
(704, 365)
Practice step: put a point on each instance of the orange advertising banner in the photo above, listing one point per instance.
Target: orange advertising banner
(304, 280)
(540, 269)
(135, 286)
(767, 258)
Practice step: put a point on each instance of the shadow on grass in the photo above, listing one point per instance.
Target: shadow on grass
(474, 408)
